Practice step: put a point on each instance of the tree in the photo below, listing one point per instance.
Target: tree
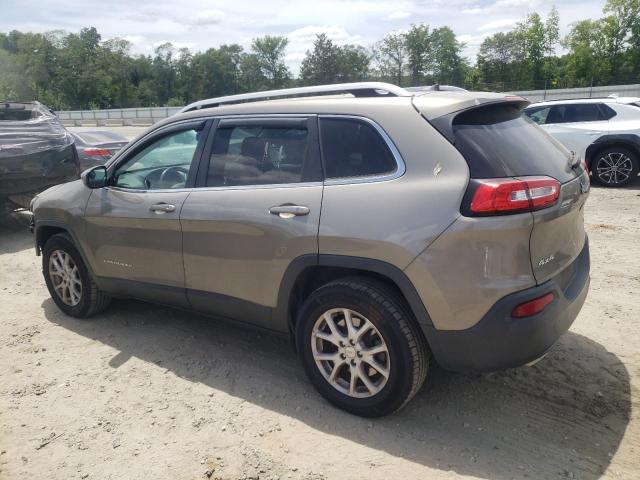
(322, 64)
(391, 56)
(270, 53)
(330, 63)
(619, 28)
(354, 63)
(496, 58)
(418, 46)
(448, 64)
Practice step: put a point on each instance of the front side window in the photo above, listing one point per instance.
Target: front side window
(538, 115)
(255, 154)
(353, 148)
(163, 164)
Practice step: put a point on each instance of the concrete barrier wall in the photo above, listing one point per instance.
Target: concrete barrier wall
(150, 115)
(586, 92)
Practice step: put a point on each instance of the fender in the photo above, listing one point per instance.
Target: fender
(37, 229)
(281, 313)
(629, 140)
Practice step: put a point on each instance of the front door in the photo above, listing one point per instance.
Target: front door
(133, 226)
(257, 208)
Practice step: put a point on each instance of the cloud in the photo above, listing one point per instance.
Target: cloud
(504, 23)
(204, 24)
(206, 17)
(398, 15)
(502, 6)
(473, 41)
(308, 34)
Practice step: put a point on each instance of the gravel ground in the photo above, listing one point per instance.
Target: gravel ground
(143, 392)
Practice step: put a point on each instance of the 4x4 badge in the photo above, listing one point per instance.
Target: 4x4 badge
(544, 261)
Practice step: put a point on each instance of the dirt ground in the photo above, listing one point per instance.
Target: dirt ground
(146, 392)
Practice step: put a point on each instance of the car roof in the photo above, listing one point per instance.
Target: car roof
(431, 104)
(586, 101)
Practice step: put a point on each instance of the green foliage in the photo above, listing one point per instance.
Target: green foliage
(604, 51)
(81, 70)
(330, 63)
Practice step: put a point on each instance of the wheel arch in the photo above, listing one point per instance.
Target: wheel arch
(309, 272)
(45, 230)
(629, 141)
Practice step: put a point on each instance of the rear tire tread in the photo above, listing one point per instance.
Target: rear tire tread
(393, 304)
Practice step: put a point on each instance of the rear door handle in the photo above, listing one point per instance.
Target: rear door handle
(162, 208)
(289, 211)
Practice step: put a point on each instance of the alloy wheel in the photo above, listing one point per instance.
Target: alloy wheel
(614, 168)
(350, 352)
(65, 277)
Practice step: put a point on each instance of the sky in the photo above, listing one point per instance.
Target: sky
(199, 24)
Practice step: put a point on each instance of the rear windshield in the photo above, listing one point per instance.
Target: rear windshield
(499, 141)
(15, 112)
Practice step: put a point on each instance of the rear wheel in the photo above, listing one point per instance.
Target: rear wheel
(360, 346)
(615, 167)
(68, 279)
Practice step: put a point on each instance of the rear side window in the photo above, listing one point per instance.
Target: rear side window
(353, 148)
(576, 112)
(498, 141)
(260, 154)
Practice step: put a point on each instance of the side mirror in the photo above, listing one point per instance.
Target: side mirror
(95, 177)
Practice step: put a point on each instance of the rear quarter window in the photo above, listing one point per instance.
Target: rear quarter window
(499, 141)
(353, 148)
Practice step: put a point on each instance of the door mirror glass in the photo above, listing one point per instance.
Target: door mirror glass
(95, 177)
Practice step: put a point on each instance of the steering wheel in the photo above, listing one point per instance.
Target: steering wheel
(179, 175)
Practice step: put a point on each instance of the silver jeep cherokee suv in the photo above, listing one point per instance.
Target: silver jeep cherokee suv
(383, 230)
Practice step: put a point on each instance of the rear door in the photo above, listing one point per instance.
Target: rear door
(132, 225)
(256, 209)
(577, 125)
(498, 141)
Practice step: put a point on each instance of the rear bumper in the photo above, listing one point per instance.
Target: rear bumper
(500, 341)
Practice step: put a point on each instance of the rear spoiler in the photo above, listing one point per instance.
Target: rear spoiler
(444, 123)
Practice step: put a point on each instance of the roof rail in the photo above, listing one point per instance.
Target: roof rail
(360, 89)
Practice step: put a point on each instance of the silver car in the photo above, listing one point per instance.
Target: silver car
(383, 230)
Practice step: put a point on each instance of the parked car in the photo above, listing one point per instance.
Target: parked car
(605, 132)
(36, 152)
(383, 231)
(95, 147)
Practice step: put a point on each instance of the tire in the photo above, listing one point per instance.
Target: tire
(615, 167)
(389, 324)
(90, 299)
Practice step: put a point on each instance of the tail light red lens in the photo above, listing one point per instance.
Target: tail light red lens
(506, 195)
(97, 152)
(533, 307)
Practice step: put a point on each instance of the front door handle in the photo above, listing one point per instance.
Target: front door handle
(160, 208)
(289, 211)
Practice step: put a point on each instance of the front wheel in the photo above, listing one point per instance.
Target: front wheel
(615, 167)
(68, 280)
(360, 346)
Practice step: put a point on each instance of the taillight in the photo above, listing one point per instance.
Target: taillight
(507, 195)
(97, 152)
(533, 307)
